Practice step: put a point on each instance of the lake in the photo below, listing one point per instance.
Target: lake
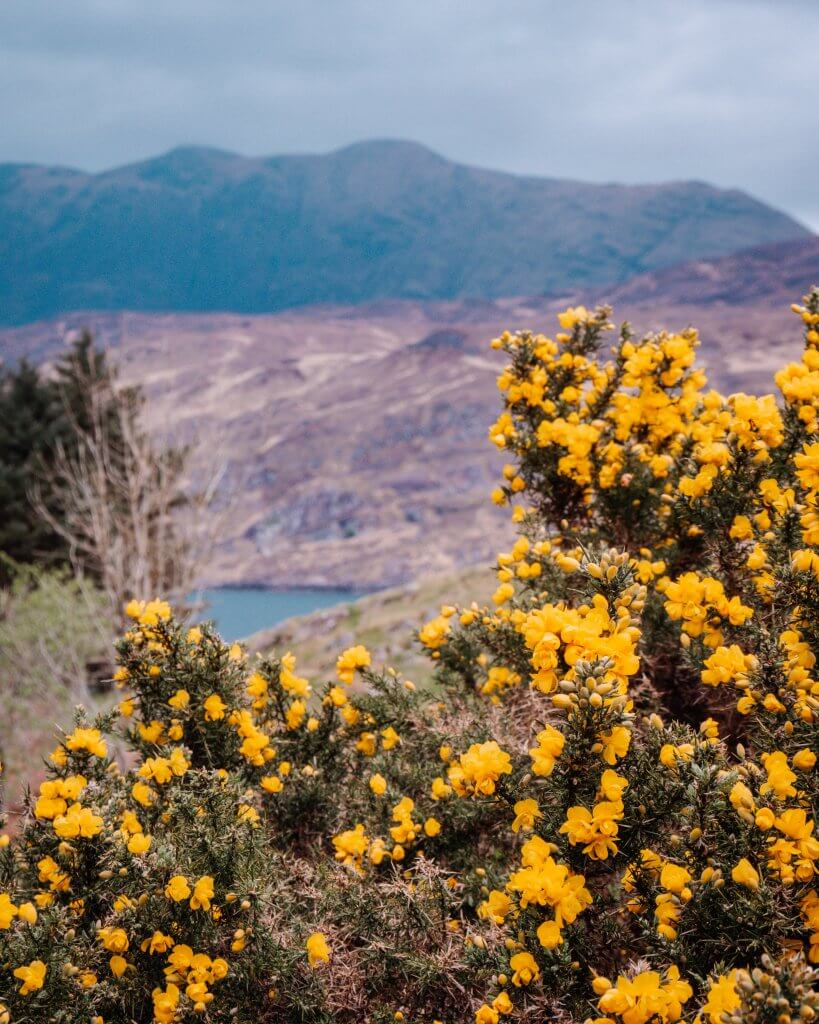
(240, 611)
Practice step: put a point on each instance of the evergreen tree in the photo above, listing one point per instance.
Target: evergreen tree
(27, 430)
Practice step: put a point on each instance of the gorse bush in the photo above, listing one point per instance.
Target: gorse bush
(604, 810)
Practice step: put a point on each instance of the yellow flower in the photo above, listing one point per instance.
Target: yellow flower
(486, 1015)
(178, 762)
(439, 789)
(502, 1003)
(780, 777)
(214, 707)
(114, 940)
(543, 882)
(366, 744)
(527, 813)
(646, 997)
(27, 912)
(158, 769)
(202, 893)
(158, 943)
(741, 797)
(165, 1004)
(744, 873)
(178, 889)
(670, 754)
(77, 822)
(317, 949)
(32, 976)
(296, 714)
(378, 784)
(675, 879)
(389, 738)
(727, 665)
(550, 746)
(807, 466)
(8, 911)
(525, 969)
(88, 740)
(350, 661)
(765, 819)
(612, 786)
(337, 696)
(572, 316)
(351, 846)
(180, 700)
(615, 744)
(549, 935)
(151, 732)
(434, 633)
(295, 685)
(597, 829)
(350, 714)
(118, 965)
(477, 771)
(495, 908)
(142, 793)
(149, 613)
(722, 998)
(139, 844)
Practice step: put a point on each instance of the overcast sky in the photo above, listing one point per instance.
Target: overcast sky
(726, 91)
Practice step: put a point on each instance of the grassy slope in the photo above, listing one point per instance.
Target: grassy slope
(384, 622)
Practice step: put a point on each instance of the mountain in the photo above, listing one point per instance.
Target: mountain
(204, 230)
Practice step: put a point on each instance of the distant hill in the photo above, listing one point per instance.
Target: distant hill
(777, 274)
(204, 230)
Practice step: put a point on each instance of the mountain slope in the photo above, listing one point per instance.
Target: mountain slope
(778, 274)
(354, 439)
(200, 229)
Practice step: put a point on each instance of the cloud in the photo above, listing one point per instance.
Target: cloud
(720, 90)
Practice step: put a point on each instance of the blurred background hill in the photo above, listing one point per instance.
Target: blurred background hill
(200, 229)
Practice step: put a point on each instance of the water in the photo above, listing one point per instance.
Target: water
(240, 611)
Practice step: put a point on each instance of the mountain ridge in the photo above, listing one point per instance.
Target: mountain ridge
(202, 229)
